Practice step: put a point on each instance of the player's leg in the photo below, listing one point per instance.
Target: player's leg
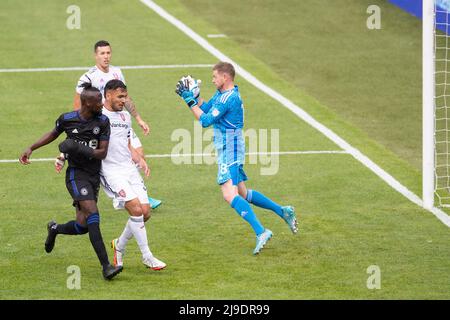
(228, 179)
(287, 213)
(230, 195)
(150, 261)
(137, 145)
(136, 224)
(117, 188)
(80, 188)
(244, 209)
(90, 211)
(73, 227)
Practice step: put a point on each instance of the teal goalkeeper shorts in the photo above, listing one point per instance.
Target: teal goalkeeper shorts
(234, 172)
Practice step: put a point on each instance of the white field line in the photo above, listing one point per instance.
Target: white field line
(168, 155)
(164, 66)
(390, 180)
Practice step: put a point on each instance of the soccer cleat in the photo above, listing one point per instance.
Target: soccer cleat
(290, 218)
(110, 271)
(51, 236)
(154, 203)
(261, 240)
(118, 255)
(153, 263)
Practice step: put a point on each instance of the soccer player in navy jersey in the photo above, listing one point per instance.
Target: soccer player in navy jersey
(86, 145)
(225, 112)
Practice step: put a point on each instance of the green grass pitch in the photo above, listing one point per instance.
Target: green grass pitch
(349, 218)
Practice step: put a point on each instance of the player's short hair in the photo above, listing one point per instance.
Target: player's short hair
(113, 85)
(225, 67)
(101, 43)
(87, 90)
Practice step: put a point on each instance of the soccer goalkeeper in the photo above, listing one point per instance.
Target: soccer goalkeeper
(225, 112)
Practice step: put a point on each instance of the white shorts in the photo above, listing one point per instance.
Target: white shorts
(123, 187)
(134, 139)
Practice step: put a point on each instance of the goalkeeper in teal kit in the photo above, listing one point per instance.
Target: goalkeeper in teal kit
(226, 113)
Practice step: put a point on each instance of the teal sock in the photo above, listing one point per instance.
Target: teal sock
(245, 211)
(260, 200)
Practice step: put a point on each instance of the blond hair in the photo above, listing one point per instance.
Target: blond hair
(225, 67)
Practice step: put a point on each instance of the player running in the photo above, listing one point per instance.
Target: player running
(98, 76)
(225, 111)
(121, 179)
(86, 145)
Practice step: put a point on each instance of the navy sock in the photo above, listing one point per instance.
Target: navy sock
(245, 211)
(93, 225)
(71, 227)
(260, 200)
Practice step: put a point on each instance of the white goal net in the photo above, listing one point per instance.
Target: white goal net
(442, 103)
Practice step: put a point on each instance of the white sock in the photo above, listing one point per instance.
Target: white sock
(137, 226)
(126, 235)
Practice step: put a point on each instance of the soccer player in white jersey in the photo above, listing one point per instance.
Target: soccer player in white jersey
(98, 76)
(121, 179)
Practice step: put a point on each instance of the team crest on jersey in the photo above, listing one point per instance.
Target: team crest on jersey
(122, 116)
(96, 130)
(122, 193)
(84, 191)
(215, 112)
(116, 76)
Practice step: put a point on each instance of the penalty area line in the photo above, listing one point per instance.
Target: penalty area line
(162, 66)
(168, 155)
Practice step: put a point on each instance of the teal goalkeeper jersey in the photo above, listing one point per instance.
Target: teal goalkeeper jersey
(225, 111)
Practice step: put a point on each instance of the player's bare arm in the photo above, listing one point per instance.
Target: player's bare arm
(139, 160)
(131, 108)
(45, 139)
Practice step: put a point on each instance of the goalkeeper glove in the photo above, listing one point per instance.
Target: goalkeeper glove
(70, 146)
(184, 93)
(193, 85)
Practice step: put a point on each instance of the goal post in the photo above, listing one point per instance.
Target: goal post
(428, 103)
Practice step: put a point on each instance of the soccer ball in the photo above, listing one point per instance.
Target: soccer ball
(192, 84)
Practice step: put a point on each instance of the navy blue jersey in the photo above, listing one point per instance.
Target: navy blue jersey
(88, 132)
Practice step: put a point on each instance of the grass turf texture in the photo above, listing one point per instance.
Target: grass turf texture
(350, 219)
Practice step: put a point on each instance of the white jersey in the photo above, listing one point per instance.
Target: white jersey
(118, 160)
(98, 78)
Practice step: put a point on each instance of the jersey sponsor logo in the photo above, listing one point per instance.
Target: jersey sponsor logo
(84, 191)
(120, 125)
(75, 130)
(96, 130)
